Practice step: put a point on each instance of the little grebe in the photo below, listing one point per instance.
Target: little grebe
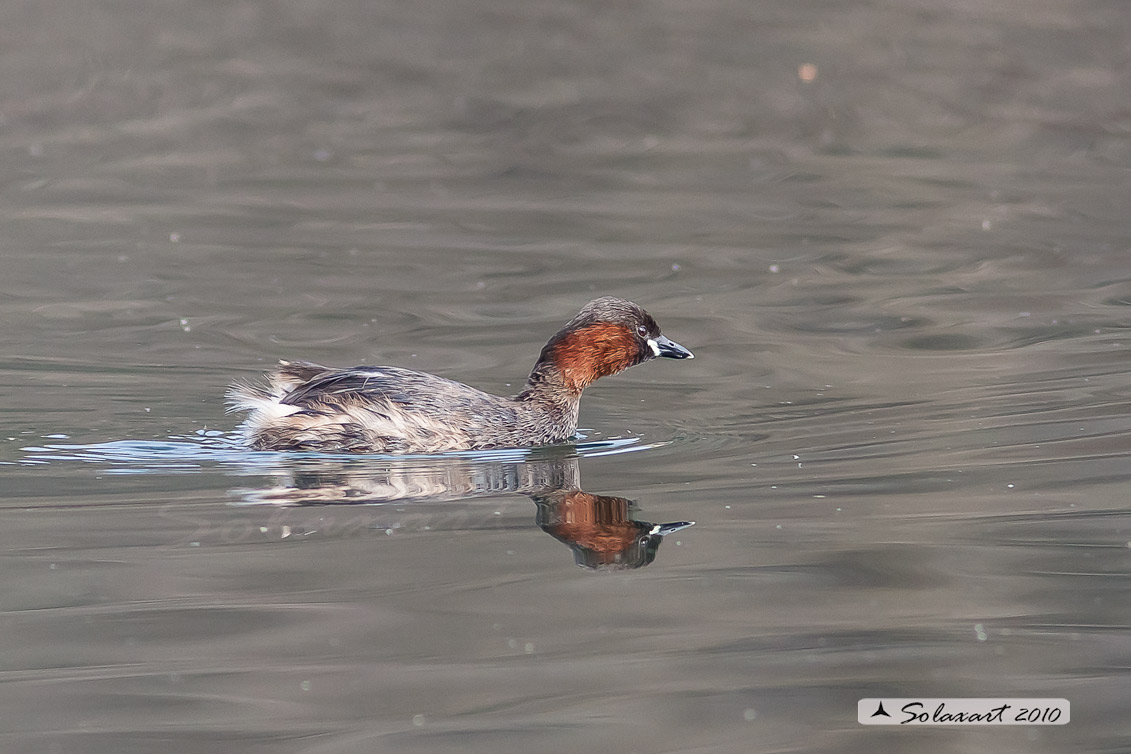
(363, 409)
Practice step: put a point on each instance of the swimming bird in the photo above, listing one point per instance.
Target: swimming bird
(384, 409)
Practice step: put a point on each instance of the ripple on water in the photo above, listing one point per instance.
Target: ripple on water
(218, 449)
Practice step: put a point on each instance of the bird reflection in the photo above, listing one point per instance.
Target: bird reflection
(599, 529)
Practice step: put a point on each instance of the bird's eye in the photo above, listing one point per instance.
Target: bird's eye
(642, 331)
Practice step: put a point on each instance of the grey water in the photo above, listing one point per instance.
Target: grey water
(895, 235)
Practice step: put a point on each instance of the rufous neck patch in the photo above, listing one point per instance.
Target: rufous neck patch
(594, 351)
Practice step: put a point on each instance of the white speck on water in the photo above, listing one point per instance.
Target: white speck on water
(512, 644)
(1009, 486)
(286, 532)
(498, 513)
(675, 268)
(305, 685)
(56, 437)
(775, 269)
(147, 410)
(727, 507)
(185, 325)
(388, 532)
(778, 526)
(821, 497)
(174, 238)
(749, 715)
(528, 648)
(418, 720)
(980, 631)
(262, 529)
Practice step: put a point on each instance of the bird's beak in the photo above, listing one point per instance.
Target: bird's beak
(664, 529)
(669, 348)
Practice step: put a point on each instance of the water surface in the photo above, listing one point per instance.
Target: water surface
(904, 273)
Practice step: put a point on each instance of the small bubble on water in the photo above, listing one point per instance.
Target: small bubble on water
(418, 720)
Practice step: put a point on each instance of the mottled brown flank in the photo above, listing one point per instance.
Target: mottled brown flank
(594, 351)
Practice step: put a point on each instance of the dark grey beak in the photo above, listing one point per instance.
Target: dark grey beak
(665, 529)
(669, 349)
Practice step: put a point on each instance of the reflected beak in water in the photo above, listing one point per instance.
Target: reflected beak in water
(669, 349)
(665, 529)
